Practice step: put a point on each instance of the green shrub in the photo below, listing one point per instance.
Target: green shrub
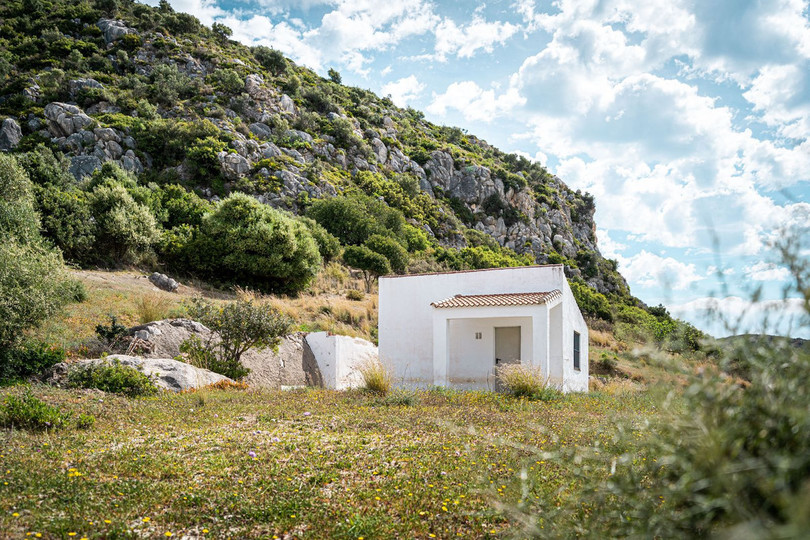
(354, 218)
(125, 229)
(18, 218)
(354, 294)
(227, 80)
(114, 378)
(169, 84)
(271, 59)
(203, 161)
(520, 381)
(67, 221)
(32, 358)
(236, 327)
(182, 207)
(390, 249)
(29, 412)
(246, 242)
(85, 421)
(328, 245)
(591, 302)
(111, 333)
(484, 257)
(371, 263)
(199, 354)
(33, 286)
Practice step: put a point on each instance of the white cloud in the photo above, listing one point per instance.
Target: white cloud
(465, 41)
(475, 103)
(607, 246)
(765, 271)
(403, 90)
(650, 270)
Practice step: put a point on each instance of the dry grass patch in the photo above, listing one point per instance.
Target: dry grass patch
(377, 378)
(152, 307)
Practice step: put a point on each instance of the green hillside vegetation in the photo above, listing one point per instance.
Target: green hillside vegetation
(177, 94)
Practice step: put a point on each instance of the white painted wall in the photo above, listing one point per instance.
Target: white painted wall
(406, 319)
(339, 358)
(472, 361)
(573, 381)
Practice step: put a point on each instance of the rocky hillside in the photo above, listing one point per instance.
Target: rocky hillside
(174, 102)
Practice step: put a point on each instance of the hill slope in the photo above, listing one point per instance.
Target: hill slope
(175, 102)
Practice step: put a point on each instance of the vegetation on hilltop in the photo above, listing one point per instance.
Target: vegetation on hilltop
(194, 116)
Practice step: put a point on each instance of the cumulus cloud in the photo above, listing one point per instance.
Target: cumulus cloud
(650, 270)
(403, 90)
(475, 103)
(464, 41)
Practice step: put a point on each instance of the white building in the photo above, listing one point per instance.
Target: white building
(454, 328)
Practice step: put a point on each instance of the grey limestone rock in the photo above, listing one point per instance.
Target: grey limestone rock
(114, 29)
(164, 282)
(286, 104)
(81, 166)
(262, 131)
(233, 166)
(65, 119)
(10, 134)
(77, 85)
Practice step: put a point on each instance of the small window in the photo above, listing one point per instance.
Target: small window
(478, 335)
(576, 351)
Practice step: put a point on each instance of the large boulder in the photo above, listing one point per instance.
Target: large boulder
(65, 119)
(10, 134)
(77, 85)
(291, 365)
(233, 165)
(164, 282)
(81, 166)
(166, 373)
(114, 29)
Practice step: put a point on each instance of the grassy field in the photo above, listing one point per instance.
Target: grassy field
(303, 464)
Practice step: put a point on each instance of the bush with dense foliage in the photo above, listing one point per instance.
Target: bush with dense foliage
(237, 326)
(31, 358)
(372, 264)
(112, 377)
(31, 413)
(33, 282)
(390, 249)
(249, 243)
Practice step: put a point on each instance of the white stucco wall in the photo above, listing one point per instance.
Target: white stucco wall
(471, 360)
(406, 319)
(573, 381)
(339, 358)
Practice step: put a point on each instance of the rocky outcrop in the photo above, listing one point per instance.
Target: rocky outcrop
(165, 373)
(290, 365)
(77, 85)
(10, 134)
(113, 29)
(163, 282)
(65, 119)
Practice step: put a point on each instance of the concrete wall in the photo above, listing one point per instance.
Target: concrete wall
(339, 358)
(471, 360)
(573, 380)
(406, 317)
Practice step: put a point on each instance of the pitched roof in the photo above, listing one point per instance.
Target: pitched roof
(507, 299)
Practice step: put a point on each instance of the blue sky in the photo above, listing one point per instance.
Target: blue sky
(687, 120)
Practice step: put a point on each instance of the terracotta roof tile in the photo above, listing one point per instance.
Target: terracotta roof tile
(507, 299)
